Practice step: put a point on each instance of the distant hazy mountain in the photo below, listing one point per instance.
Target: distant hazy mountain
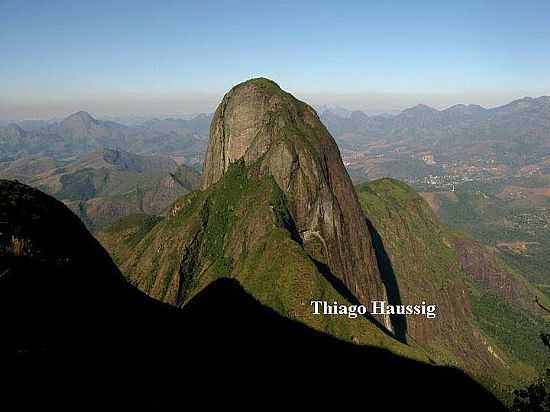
(523, 121)
(463, 109)
(16, 142)
(83, 131)
(520, 127)
(419, 111)
(32, 125)
(80, 133)
(338, 111)
(199, 125)
(172, 135)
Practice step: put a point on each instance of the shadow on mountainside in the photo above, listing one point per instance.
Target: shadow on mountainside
(76, 335)
(223, 345)
(399, 322)
(342, 290)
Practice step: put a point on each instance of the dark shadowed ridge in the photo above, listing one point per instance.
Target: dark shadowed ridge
(76, 335)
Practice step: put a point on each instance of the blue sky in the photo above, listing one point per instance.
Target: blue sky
(125, 57)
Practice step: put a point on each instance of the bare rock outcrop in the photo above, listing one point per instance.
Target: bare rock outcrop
(277, 135)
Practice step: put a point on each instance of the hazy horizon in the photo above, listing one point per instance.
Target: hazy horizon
(183, 106)
(138, 58)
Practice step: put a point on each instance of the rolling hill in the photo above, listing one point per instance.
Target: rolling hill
(106, 185)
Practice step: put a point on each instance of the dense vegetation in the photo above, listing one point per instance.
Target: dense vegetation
(479, 211)
(510, 326)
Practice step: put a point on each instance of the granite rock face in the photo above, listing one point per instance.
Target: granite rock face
(277, 135)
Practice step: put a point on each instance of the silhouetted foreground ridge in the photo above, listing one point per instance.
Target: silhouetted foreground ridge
(77, 335)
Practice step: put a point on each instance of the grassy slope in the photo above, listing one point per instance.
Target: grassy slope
(423, 260)
(487, 218)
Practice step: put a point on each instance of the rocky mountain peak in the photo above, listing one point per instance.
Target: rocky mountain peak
(279, 136)
(358, 115)
(243, 127)
(14, 130)
(419, 109)
(79, 126)
(524, 106)
(80, 117)
(466, 109)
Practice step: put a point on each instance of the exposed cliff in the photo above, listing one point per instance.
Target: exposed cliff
(241, 228)
(279, 136)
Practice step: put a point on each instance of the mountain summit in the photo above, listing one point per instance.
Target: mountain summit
(80, 117)
(277, 214)
(277, 211)
(279, 136)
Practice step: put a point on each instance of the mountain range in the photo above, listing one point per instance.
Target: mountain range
(217, 276)
(520, 126)
(80, 133)
(523, 121)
